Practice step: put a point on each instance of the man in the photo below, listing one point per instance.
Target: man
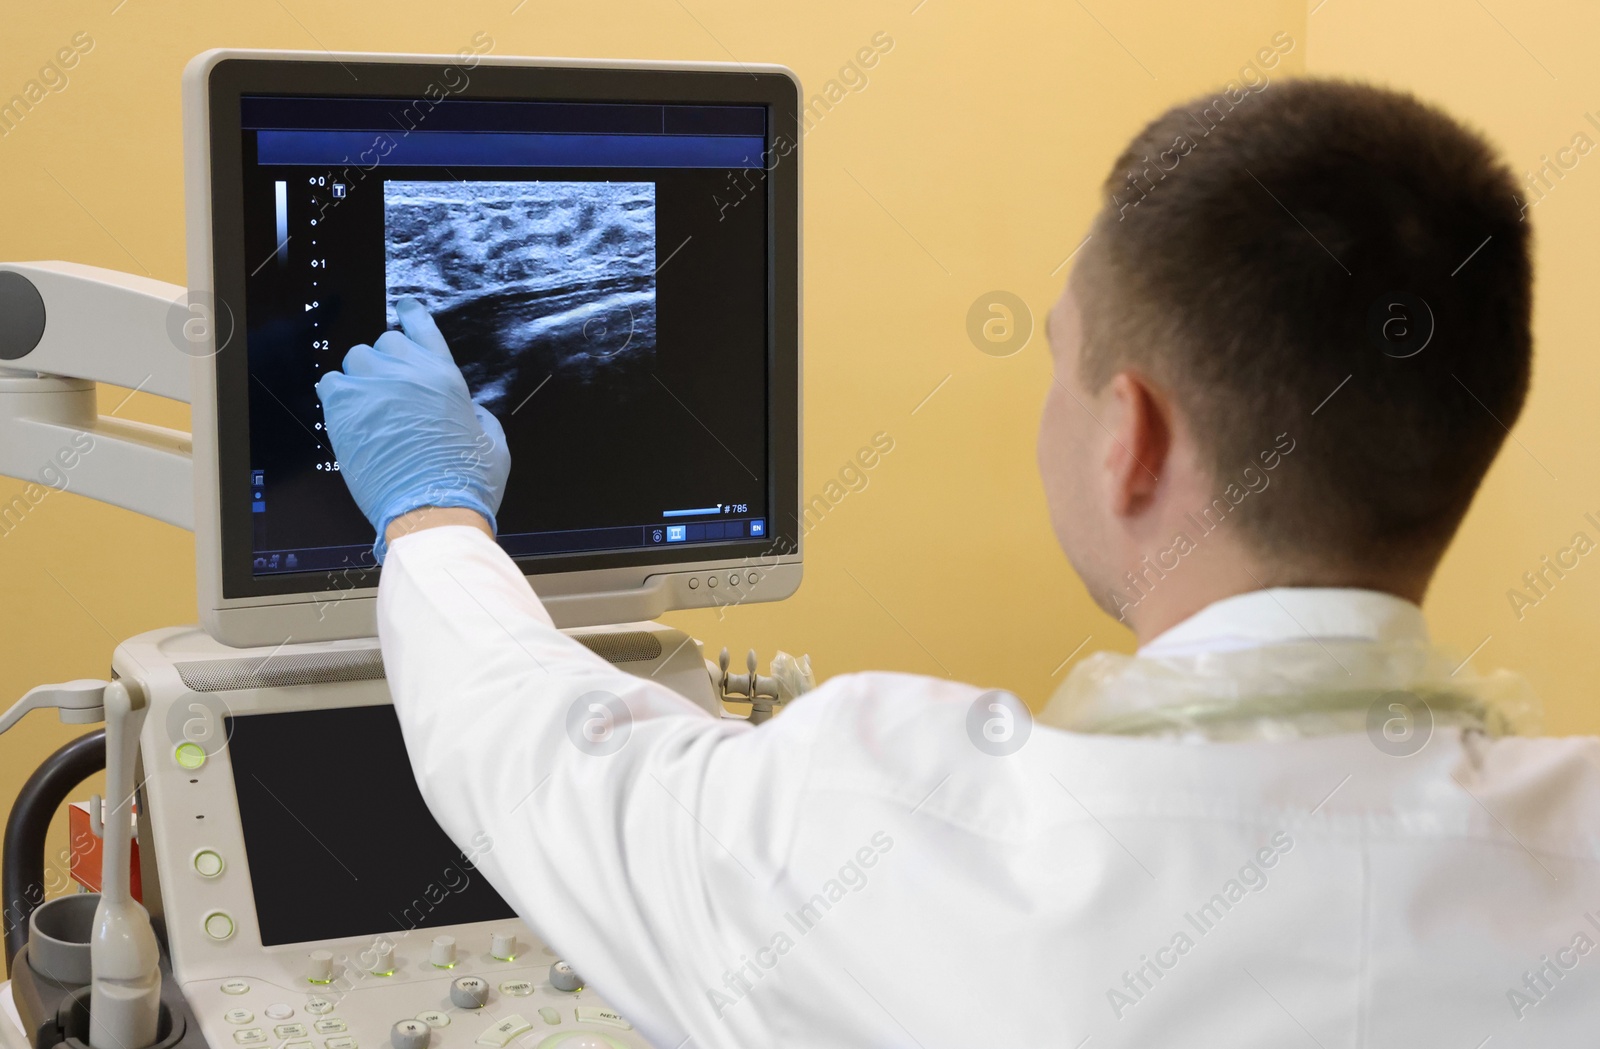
(1283, 365)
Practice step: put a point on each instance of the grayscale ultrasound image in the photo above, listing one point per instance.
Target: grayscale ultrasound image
(529, 280)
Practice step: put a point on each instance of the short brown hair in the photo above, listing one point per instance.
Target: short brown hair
(1257, 253)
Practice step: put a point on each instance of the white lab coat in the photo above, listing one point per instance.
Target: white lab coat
(859, 873)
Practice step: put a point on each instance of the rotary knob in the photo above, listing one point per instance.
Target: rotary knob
(443, 952)
(319, 968)
(503, 946)
(409, 1034)
(564, 977)
(383, 959)
(469, 992)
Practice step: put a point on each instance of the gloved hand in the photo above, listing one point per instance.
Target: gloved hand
(406, 430)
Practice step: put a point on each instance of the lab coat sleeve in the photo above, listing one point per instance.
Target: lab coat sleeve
(646, 857)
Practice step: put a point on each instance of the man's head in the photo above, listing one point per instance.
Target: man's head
(1323, 267)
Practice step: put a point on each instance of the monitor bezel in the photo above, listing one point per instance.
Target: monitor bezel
(263, 607)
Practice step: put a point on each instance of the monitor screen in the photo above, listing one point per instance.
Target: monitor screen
(602, 271)
(352, 850)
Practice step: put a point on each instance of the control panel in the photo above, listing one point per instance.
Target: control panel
(308, 899)
(469, 988)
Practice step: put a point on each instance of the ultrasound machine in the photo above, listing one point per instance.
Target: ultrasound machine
(612, 251)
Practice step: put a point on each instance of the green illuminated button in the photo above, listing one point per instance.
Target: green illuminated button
(207, 863)
(218, 925)
(190, 755)
(319, 967)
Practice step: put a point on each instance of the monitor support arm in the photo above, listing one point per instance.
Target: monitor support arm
(64, 327)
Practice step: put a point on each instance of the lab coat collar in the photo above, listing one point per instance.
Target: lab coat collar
(1285, 614)
(1286, 663)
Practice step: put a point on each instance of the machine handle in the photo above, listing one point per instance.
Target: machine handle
(80, 702)
(22, 862)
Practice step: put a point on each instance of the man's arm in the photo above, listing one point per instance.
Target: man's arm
(641, 837)
(436, 517)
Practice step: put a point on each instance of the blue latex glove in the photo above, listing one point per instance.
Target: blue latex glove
(406, 430)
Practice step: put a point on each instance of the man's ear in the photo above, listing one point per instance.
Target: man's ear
(1139, 420)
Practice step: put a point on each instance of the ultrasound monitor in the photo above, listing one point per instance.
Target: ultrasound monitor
(611, 251)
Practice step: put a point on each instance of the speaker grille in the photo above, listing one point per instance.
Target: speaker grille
(226, 675)
(366, 664)
(624, 646)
